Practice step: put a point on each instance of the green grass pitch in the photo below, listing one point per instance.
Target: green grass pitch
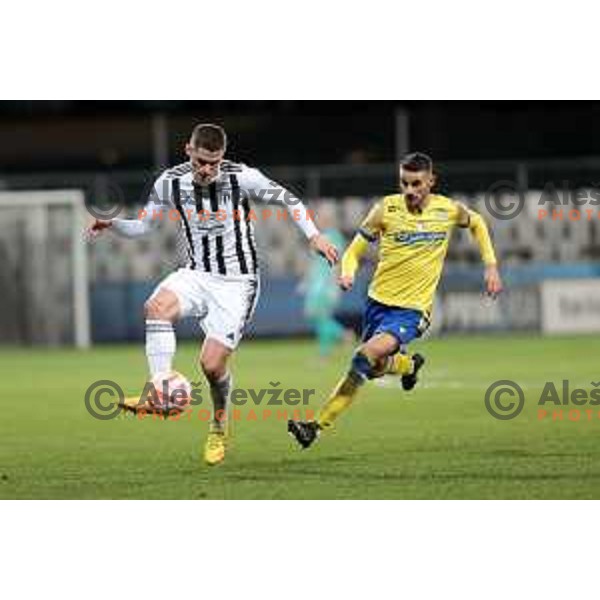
(436, 442)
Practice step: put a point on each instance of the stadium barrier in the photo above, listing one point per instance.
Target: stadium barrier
(572, 308)
(543, 298)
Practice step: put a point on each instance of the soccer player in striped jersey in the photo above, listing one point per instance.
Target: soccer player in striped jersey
(220, 283)
(413, 230)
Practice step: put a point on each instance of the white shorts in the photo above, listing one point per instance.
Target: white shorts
(223, 304)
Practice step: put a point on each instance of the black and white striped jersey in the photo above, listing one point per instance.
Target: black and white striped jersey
(216, 221)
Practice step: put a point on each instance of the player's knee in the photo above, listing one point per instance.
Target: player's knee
(379, 347)
(363, 365)
(213, 367)
(156, 309)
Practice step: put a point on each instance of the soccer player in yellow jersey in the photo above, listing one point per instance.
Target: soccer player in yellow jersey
(413, 230)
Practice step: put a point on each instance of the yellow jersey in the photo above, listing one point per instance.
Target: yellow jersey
(412, 248)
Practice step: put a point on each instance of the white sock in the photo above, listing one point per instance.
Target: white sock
(219, 392)
(160, 346)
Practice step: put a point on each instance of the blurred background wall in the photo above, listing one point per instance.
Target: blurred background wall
(342, 155)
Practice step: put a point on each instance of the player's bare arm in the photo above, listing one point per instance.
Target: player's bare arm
(320, 244)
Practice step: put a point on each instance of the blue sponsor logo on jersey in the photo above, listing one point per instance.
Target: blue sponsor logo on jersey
(420, 237)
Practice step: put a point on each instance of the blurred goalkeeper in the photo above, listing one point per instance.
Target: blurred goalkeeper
(413, 229)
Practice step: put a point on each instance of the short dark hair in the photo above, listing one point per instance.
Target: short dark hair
(209, 137)
(417, 161)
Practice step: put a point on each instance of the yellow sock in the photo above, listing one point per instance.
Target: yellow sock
(339, 401)
(400, 364)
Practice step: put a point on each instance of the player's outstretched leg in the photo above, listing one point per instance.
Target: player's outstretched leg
(161, 311)
(366, 364)
(214, 365)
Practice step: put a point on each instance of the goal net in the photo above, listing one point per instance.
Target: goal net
(43, 268)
